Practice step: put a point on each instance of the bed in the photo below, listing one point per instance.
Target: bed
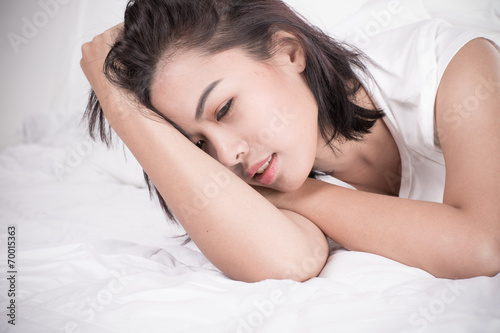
(84, 249)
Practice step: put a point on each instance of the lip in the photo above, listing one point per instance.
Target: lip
(268, 176)
(250, 173)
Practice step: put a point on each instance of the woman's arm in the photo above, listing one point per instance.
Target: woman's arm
(238, 230)
(459, 238)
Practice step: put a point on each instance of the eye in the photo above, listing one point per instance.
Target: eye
(200, 144)
(225, 109)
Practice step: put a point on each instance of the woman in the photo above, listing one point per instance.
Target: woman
(270, 101)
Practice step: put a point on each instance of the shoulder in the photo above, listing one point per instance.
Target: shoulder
(472, 75)
(468, 119)
(478, 54)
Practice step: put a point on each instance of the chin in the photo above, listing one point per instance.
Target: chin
(291, 185)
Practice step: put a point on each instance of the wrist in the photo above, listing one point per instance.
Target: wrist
(305, 197)
(119, 106)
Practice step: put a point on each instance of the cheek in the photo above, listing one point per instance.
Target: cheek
(262, 122)
(301, 148)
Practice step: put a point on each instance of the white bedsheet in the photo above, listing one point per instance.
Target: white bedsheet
(94, 254)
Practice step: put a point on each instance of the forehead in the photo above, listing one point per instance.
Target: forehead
(185, 75)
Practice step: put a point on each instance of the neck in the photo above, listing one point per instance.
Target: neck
(363, 164)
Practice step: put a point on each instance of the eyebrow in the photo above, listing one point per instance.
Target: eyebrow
(204, 97)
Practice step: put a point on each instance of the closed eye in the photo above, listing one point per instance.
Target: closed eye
(225, 109)
(221, 114)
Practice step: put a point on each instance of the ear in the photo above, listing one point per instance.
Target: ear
(289, 51)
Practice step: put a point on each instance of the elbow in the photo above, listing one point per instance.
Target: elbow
(299, 268)
(493, 265)
(489, 258)
(305, 267)
(482, 252)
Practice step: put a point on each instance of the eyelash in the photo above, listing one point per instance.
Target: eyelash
(225, 110)
(221, 114)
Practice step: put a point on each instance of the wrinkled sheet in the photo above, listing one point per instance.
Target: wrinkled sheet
(95, 254)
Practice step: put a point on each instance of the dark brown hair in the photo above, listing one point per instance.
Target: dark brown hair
(155, 27)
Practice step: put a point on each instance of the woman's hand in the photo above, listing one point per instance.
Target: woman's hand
(94, 54)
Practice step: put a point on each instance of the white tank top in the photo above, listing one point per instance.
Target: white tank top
(407, 64)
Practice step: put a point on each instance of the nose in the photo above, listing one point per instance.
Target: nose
(230, 148)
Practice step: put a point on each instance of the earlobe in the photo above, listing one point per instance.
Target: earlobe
(299, 59)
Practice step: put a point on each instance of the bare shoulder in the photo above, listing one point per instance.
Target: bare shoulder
(475, 62)
(468, 123)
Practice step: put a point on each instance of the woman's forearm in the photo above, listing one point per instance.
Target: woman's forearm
(443, 240)
(241, 232)
(238, 230)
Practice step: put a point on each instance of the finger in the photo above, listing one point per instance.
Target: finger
(115, 32)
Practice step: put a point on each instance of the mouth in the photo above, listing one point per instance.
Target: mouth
(265, 171)
(264, 167)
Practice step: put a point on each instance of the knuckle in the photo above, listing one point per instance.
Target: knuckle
(85, 47)
(98, 39)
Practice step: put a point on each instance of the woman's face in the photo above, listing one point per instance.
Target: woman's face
(259, 119)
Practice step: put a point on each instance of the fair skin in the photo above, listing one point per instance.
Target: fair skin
(272, 114)
(257, 121)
